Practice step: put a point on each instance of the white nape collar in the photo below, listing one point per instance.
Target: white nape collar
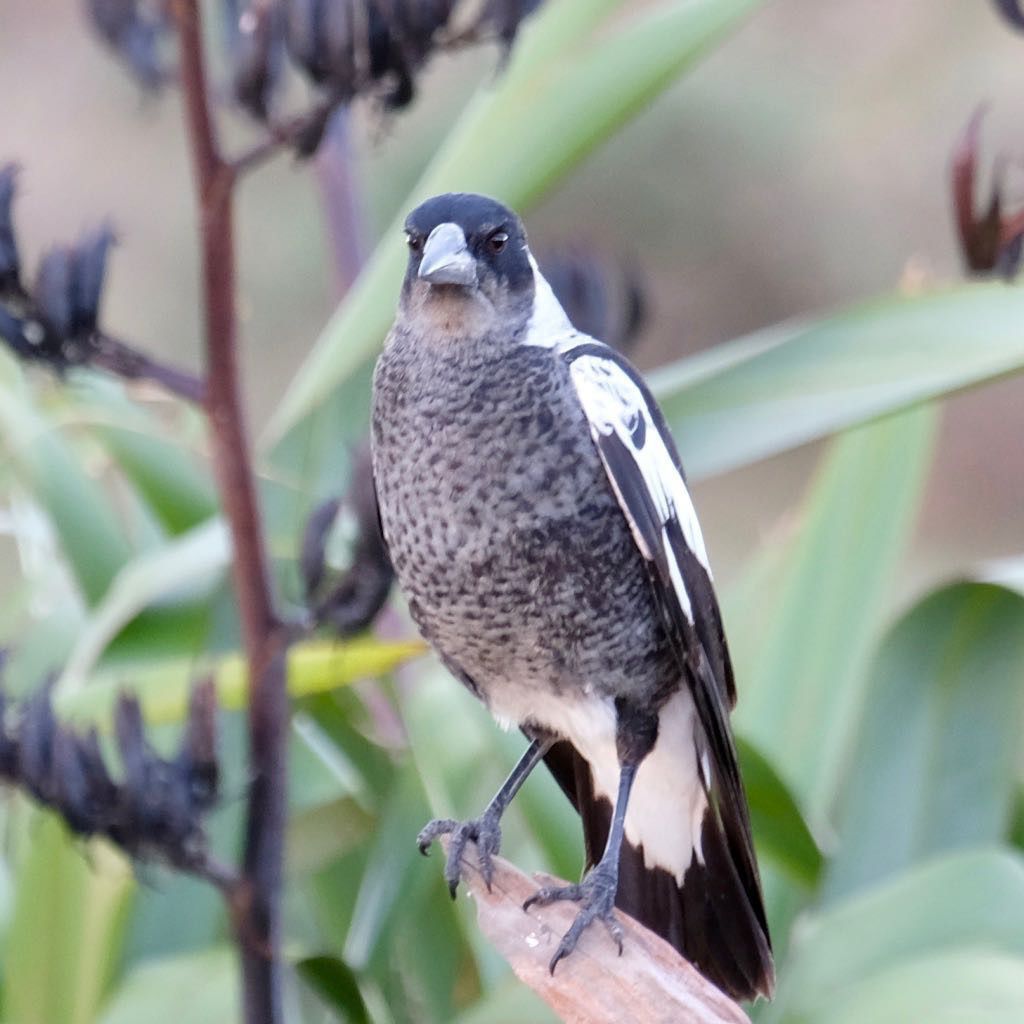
(549, 326)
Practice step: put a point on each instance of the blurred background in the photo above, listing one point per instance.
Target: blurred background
(800, 167)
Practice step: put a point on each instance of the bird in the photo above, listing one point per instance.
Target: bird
(538, 520)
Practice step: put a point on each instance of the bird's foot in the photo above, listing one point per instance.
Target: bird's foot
(485, 831)
(596, 896)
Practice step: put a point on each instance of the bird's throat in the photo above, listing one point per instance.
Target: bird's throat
(446, 315)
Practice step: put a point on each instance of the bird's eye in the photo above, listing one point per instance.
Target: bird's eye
(414, 241)
(497, 240)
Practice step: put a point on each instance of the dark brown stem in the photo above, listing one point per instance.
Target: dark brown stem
(258, 924)
(300, 132)
(129, 363)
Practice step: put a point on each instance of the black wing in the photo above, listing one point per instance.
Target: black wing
(718, 920)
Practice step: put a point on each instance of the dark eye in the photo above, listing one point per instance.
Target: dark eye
(497, 240)
(414, 241)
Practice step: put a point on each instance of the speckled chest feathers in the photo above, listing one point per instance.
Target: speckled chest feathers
(506, 536)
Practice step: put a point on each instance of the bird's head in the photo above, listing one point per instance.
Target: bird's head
(470, 273)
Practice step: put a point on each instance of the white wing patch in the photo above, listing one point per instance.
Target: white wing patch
(615, 405)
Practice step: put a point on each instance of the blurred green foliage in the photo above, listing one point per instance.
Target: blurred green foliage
(882, 758)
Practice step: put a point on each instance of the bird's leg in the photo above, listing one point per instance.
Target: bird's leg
(596, 893)
(485, 830)
(637, 732)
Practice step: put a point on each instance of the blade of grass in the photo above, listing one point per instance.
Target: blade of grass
(972, 899)
(163, 690)
(65, 937)
(936, 755)
(801, 658)
(791, 384)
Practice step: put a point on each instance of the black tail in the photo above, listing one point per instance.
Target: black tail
(716, 919)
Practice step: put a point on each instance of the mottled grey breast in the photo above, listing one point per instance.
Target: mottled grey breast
(507, 539)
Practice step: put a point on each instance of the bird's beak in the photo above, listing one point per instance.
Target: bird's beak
(446, 257)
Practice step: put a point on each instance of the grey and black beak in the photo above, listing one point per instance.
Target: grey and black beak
(446, 257)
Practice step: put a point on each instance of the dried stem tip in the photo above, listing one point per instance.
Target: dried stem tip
(990, 241)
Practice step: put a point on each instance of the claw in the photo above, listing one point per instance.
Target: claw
(432, 830)
(596, 894)
(484, 831)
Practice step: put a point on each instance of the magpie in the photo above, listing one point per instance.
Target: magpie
(537, 516)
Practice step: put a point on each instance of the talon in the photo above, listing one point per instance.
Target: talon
(596, 895)
(615, 931)
(484, 831)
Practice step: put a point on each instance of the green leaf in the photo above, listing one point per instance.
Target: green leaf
(334, 982)
(779, 829)
(974, 985)
(959, 901)
(182, 570)
(801, 657)
(509, 1003)
(794, 383)
(313, 667)
(90, 535)
(319, 836)
(386, 884)
(936, 756)
(65, 938)
(201, 988)
(569, 87)
(164, 474)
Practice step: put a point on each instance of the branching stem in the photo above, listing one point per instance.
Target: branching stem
(256, 909)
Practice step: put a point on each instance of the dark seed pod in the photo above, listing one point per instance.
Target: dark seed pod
(157, 815)
(54, 290)
(67, 292)
(352, 601)
(35, 746)
(347, 48)
(306, 36)
(156, 808)
(989, 241)
(1011, 10)
(197, 759)
(86, 795)
(357, 47)
(314, 545)
(8, 743)
(256, 34)
(136, 31)
(10, 263)
(90, 266)
(144, 777)
(1009, 258)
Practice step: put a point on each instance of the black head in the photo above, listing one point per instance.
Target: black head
(468, 264)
